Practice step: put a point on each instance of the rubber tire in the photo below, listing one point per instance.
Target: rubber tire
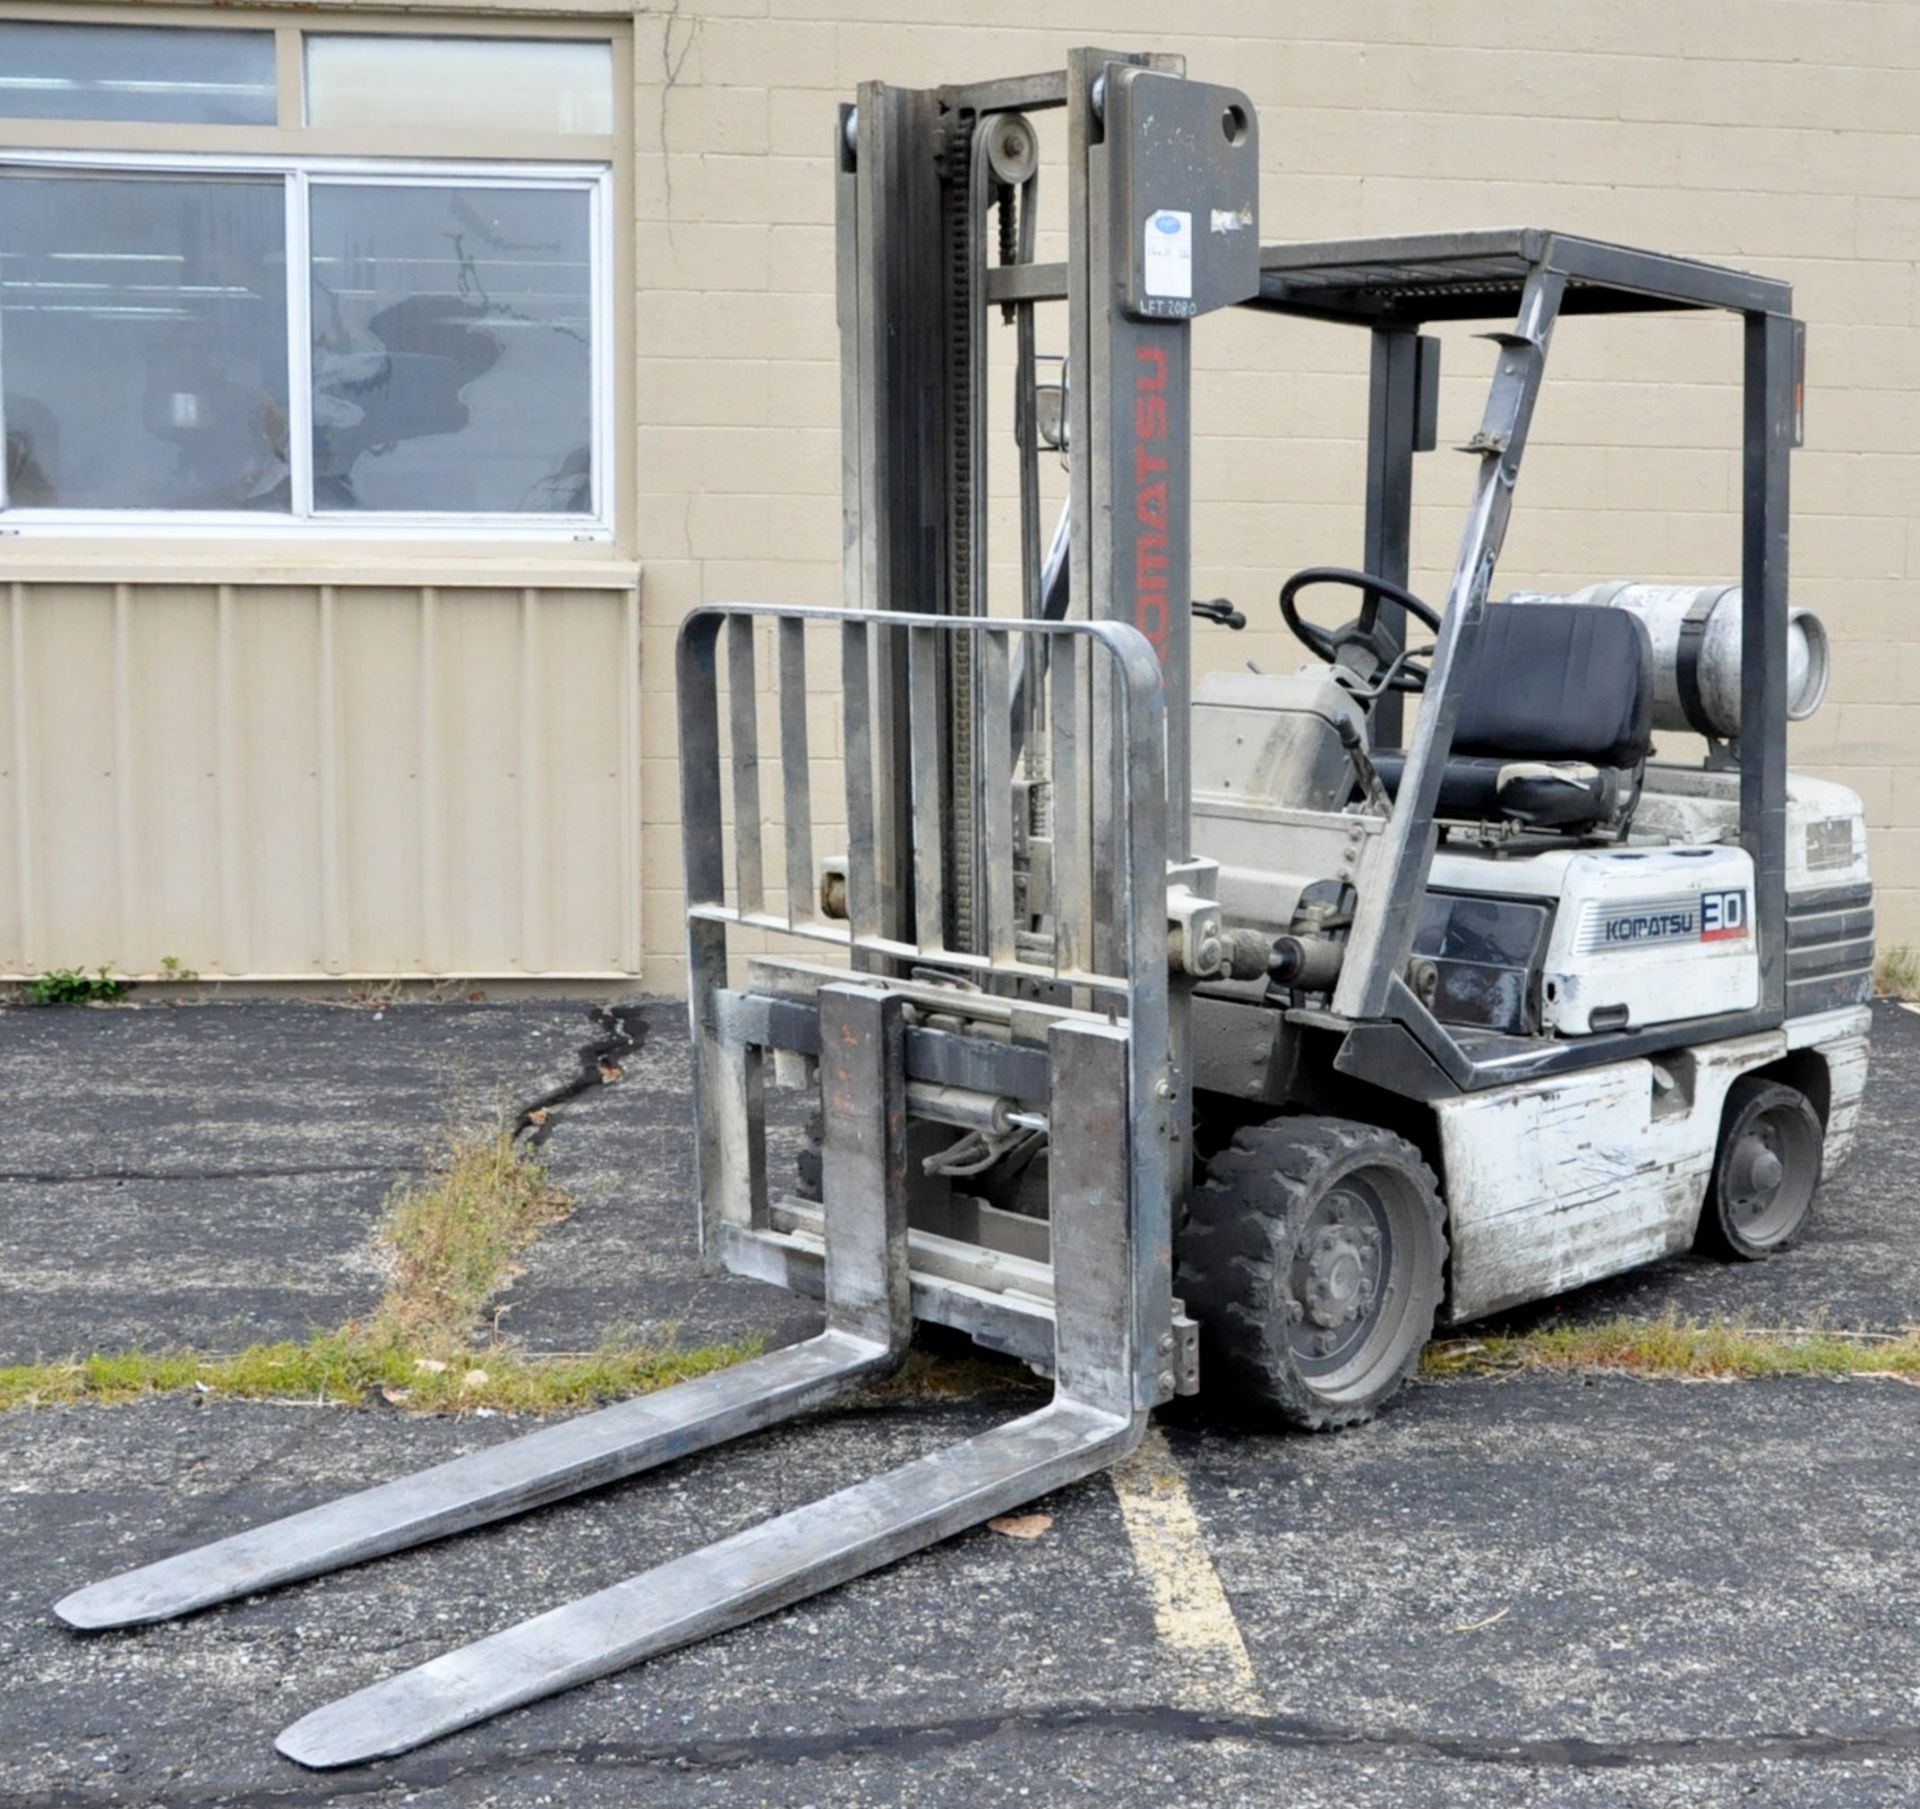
(1750, 1095)
(809, 1162)
(1233, 1263)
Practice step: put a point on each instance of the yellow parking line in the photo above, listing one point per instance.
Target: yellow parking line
(1191, 1614)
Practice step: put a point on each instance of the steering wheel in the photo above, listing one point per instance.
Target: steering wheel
(1403, 674)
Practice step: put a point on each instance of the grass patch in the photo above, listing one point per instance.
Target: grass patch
(946, 1375)
(1675, 1349)
(452, 1241)
(455, 1239)
(1897, 974)
(346, 1369)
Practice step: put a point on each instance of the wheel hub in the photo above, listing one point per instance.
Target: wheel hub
(1756, 1173)
(1340, 1265)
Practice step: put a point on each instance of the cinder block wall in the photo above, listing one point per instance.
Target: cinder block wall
(1782, 135)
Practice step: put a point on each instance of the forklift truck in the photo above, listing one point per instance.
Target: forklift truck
(1179, 1037)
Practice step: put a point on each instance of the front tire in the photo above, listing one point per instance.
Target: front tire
(1765, 1172)
(1314, 1259)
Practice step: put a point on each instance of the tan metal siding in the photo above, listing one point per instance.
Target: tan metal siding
(288, 781)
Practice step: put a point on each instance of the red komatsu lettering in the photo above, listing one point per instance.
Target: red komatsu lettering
(1150, 587)
(1152, 503)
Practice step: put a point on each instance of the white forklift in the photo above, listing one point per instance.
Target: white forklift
(1177, 1038)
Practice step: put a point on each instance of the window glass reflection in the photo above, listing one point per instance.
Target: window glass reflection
(137, 72)
(452, 349)
(143, 341)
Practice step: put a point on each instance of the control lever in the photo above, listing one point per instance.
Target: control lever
(1219, 609)
(1355, 743)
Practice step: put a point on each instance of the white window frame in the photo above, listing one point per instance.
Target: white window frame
(302, 523)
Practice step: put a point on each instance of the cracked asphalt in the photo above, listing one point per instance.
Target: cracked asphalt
(1524, 1591)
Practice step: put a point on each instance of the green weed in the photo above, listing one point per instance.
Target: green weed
(1897, 974)
(70, 986)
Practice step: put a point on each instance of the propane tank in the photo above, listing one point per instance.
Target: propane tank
(1695, 629)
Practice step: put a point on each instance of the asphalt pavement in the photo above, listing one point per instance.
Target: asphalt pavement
(1524, 1591)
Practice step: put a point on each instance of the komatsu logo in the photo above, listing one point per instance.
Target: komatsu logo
(1688, 917)
(1152, 497)
(1649, 926)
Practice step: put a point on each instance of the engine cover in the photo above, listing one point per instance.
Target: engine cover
(1640, 935)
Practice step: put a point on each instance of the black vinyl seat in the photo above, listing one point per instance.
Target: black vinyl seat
(1556, 718)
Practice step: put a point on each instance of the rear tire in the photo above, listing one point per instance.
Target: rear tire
(1314, 1258)
(1766, 1171)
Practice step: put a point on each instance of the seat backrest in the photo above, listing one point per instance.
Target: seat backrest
(1558, 681)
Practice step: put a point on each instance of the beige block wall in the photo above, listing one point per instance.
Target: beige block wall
(1779, 135)
(1782, 135)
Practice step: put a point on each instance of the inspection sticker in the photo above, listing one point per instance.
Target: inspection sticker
(1169, 254)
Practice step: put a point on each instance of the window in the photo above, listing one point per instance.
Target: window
(503, 84)
(269, 341)
(221, 78)
(143, 340)
(451, 316)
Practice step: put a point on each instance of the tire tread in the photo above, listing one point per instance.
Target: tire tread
(1233, 1255)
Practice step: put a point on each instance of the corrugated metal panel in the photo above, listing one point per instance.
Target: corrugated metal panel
(285, 781)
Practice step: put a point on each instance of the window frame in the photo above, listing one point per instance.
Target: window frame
(594, 178)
